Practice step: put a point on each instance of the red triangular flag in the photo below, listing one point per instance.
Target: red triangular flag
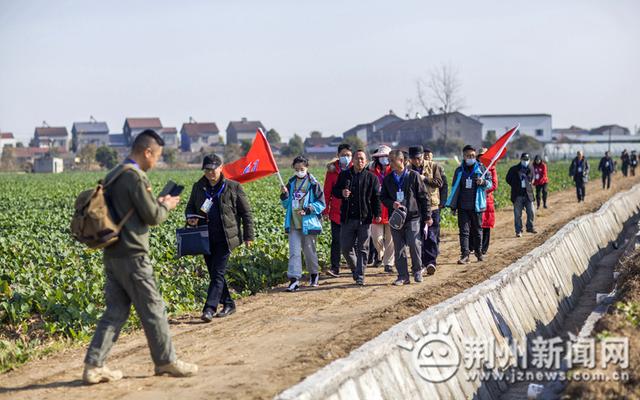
(258, 162)
(499, 149)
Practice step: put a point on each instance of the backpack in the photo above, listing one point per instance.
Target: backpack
(397, 218)
(92, 223)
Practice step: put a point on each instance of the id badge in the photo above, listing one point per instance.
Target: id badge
(606, 164)
(295, 204)
(523, 183)
(537, 176)
(468, 183)
(206, 206)
(400, 196)
(579, 169)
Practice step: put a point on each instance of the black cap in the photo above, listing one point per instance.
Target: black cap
(211, 161)
(415, 151)
(525, 156)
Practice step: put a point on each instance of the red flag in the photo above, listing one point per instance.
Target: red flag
(499, 149)
(258, 162)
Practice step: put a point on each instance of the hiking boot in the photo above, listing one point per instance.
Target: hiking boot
(388, 269)
(463, 260)
(178, 369)
(93, 374)
(417, 276)
(400, 282)
(207, 315)
(431, 269)
(294, 284)
(314, 280)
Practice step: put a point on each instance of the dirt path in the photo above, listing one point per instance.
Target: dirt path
(277, 338)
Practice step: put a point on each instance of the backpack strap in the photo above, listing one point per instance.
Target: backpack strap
(125, 168)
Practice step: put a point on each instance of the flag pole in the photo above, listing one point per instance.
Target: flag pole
(495, 158)
(274, 161)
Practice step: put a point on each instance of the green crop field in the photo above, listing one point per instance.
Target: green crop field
(51, 286)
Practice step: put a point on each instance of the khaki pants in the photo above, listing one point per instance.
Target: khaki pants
(131, 280)
(383, 242)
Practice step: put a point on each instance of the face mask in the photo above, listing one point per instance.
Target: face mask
(384, 161)
(470, 161)
(344, 161)
(301, 174)
(524, 163)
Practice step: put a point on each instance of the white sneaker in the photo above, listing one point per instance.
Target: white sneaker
(294, 284)
(178, 369)
(314, 281)
(93, 374)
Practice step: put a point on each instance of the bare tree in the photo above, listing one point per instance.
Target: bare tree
(442, 92)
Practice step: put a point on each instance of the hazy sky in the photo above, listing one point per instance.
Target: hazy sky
(300, 66)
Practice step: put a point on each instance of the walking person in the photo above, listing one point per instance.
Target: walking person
(128, 270)
(303, 201)
(469, 200)
(633, 162)
(540, 181)
(333, 203)
(579, 171)
(381, 232)
(430, 172)
(222, 206)
(359, 191)
(404, 188)
(520, 177)
(607, 168)
(489, 215)
(626, 161)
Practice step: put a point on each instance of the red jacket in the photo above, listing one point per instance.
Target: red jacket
(489, 215)
(540, 174)
(381, 174)
(333, 203)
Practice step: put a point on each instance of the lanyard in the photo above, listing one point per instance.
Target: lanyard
(299, 187)
(209, 196)
(130, 161)
(399, 179)
(466, 175)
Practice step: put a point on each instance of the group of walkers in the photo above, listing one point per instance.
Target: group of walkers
(387, 209)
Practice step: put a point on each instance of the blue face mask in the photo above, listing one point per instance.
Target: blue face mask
(470, 161)
(384, 161)
(344, 161)
(524, 163)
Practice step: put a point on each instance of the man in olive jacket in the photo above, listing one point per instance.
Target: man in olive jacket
(222, 205)
(129, 274)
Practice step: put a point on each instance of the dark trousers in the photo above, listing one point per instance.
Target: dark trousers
(606, 181)
(430, 243)
(409, 236)
(354, 233)
(218, 292)
(580, 189)
(469, 225)
(541, 189)
(335, 246)
(486, 237)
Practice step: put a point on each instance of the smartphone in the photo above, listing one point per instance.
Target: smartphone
(171, 189)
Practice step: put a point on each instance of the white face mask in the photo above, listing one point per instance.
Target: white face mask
(384, 161)
(470, 161)
(301, 174)
(524, 163)
(345, 161)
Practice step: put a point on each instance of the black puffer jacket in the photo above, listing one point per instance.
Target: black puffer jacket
(236, 213)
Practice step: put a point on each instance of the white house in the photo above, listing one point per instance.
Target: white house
(536, 125)
(50, 137)
(7, 139)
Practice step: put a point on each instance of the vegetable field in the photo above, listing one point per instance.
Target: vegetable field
(51, 286)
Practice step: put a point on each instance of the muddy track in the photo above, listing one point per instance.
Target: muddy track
(277, 338)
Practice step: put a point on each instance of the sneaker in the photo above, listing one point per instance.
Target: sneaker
(532, 230)
(178, 369)
(93, 374)
(519, 234)
(334, 272)
(417, 276)
(377, 264)
(400, 282)
(431, 269)
(480, 257)
(545, 206)
(463, 260)
(388, 269)
(207, 315)
(294, 284)
(314, 280)
(360, 281)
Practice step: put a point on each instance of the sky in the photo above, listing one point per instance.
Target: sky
(300, 66)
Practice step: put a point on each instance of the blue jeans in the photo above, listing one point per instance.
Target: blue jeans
(522, 202)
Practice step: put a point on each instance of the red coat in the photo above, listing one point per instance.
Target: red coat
(489, 215)
(540, 174)
(333, 203)
(381, 174)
